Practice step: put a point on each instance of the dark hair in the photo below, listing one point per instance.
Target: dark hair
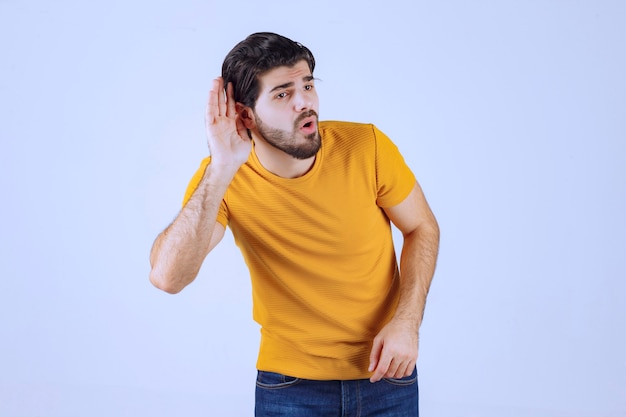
(254, 56)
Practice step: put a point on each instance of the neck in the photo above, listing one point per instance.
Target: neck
(278, 162)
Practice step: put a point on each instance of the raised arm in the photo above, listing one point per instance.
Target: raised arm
(178, 252)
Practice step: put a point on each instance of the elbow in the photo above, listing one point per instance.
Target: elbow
(429, 230)
(436, 230)
(164, 284)
(431, 227)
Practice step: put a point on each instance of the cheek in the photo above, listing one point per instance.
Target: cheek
(277, 119)
(316, 103)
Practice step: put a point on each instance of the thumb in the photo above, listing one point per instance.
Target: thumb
(377, 348)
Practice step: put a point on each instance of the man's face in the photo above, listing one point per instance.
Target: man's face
(286, 110)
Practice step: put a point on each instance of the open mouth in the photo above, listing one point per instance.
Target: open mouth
(308, 125)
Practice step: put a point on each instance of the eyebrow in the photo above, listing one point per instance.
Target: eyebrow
(290, 84)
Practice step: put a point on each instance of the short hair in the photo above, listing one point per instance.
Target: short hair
(256, 55)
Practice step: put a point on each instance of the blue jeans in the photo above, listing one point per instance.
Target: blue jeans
(281, 395)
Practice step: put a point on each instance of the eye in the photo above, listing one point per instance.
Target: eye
(308, 87)
(281, 95)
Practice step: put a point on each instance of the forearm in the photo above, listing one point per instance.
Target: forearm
(178, 252)
(417, 267)
(395, 347)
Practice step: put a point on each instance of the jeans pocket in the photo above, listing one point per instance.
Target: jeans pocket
(404, 381)
(273, 380)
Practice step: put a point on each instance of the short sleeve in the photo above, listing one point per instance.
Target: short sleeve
(222, 214)
(394, 179)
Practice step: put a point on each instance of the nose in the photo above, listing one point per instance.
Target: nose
(303, 101)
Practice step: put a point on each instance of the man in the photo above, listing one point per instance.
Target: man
(309, 204)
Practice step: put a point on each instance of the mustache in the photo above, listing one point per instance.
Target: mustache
(304, 115)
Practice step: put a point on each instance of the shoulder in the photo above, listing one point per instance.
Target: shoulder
(349, 135)
(341, 128)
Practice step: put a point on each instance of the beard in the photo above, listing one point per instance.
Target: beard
(287, 141)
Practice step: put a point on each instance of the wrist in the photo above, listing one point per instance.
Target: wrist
(220, 174)
(410, 321)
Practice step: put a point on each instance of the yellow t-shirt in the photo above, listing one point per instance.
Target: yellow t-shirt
(320, 252)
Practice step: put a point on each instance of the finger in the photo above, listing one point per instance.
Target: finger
(221, 97)
(377, 348)
(395, 367)
(212, 106)
(382, 368)
(230, 101)
(404, 370)
(380, 371)
(401, 371)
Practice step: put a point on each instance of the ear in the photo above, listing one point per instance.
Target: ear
(246, 114)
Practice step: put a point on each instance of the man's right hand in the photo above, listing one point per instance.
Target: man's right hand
(227, 135)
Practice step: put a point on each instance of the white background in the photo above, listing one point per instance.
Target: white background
(511, 113)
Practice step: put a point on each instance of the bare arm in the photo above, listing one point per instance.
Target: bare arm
(178, 252)
(395, 348)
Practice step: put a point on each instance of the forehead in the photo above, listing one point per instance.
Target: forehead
(283, 75)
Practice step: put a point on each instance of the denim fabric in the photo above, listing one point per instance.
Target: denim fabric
(281, 395)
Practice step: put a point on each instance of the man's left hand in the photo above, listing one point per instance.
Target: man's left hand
(394, 352)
